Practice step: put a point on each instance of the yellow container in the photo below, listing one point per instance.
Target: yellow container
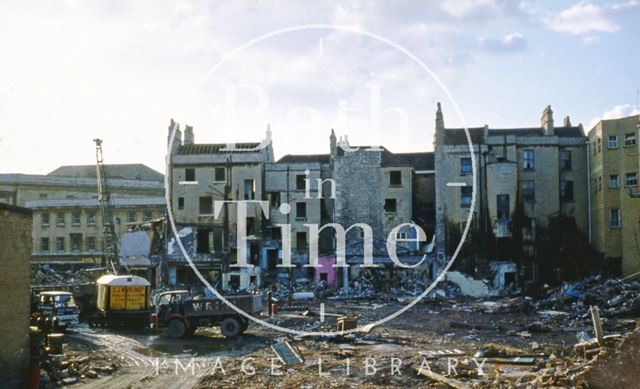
(123, 293)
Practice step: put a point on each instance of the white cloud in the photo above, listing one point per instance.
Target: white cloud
(617, 112)
(508, 44)
(586, 19)
(466, 8)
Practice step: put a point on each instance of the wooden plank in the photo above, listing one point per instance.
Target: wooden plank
(512, 360)
(451, 382)
(597, 324)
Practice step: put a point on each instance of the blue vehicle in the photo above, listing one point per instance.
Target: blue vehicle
(55, 310)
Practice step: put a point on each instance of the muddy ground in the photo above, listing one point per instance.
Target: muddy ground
(478, 344)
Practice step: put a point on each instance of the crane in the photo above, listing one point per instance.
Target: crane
(109, 238)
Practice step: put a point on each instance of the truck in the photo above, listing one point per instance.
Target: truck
(181, 313)
(123, 301)
(55, 310)
(84, 293)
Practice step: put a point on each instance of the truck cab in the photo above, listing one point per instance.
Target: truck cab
(165, 299)
(57, 309)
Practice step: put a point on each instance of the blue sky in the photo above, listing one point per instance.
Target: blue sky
(75, 70)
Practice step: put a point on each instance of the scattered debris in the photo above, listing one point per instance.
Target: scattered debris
(451, 382)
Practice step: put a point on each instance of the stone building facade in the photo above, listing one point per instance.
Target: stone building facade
(346, 186)
(15, 250)
(201, 174)
(66, 221)
(65, 229)
(529, 182)
(615, 205)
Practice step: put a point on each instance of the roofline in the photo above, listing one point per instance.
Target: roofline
(15, 208)
(37, 179)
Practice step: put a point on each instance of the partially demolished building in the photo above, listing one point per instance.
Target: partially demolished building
(349, 185)
(530, 218)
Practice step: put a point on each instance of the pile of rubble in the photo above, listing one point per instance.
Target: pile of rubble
(300, 289)
(362, 287)
(72, 367)
(616, 298)
(45, 275)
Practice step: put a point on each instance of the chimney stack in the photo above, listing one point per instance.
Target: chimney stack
(567, 121)
(178, 137)
(547, 121)
(188, 135)
(333, 143)
(439, 134)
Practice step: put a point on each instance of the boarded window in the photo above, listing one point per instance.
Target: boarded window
(206, 205)
(204, 240)
(275, 199)
(301, 240)
(190, 174)
(300, 183)
(395, 178)
(301, 210)
(390, 205)
(220, 174)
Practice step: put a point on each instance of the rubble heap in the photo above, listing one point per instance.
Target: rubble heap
(616, 298)
(45, 275)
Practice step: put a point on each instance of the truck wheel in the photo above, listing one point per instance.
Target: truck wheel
(230, 327)
(176, 328)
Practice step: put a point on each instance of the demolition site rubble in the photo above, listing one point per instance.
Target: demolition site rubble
(573, 335)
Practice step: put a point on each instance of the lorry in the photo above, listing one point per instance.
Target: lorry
(181, 313)
(55, 310)
(122, 301)
(84, 293)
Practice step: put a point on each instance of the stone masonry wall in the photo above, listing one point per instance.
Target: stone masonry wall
(15, 251)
